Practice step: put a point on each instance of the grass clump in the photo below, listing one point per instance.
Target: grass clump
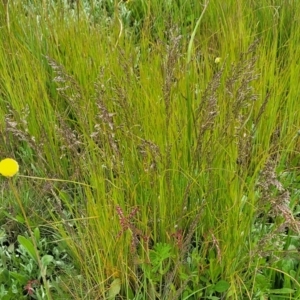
(158, 147)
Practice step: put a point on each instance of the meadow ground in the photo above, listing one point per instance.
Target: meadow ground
(158, 149)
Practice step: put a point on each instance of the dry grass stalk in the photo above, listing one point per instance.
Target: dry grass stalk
(16, 128)
(206, 114)
(274, 204)
(169, 65)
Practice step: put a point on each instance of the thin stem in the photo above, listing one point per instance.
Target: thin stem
(31, 236)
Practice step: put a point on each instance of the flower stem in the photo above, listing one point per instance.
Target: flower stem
(13, 188)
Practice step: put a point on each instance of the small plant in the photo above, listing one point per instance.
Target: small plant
(160, 261)
(20, 274)
(9, 168)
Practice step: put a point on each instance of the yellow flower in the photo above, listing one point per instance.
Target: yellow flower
(218, 60)
(9, 167)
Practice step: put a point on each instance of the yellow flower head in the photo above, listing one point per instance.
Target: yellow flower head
(9, 167)
(218, 60)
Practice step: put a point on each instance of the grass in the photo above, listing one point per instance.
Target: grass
(160, 173)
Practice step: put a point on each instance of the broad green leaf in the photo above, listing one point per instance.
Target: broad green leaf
(11, 248)
(282, 291)
(20, 219)
(114, 289)
(46, 260)
(3, 236)
(37, 234)
(28, 246)
(221, 286)
(22, 279)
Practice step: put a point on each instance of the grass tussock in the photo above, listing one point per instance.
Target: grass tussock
(151, 169)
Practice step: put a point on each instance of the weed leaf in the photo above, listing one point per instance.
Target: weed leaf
(28, 246)
(114, 289)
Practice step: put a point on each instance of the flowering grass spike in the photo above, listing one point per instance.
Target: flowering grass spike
(9, 167)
